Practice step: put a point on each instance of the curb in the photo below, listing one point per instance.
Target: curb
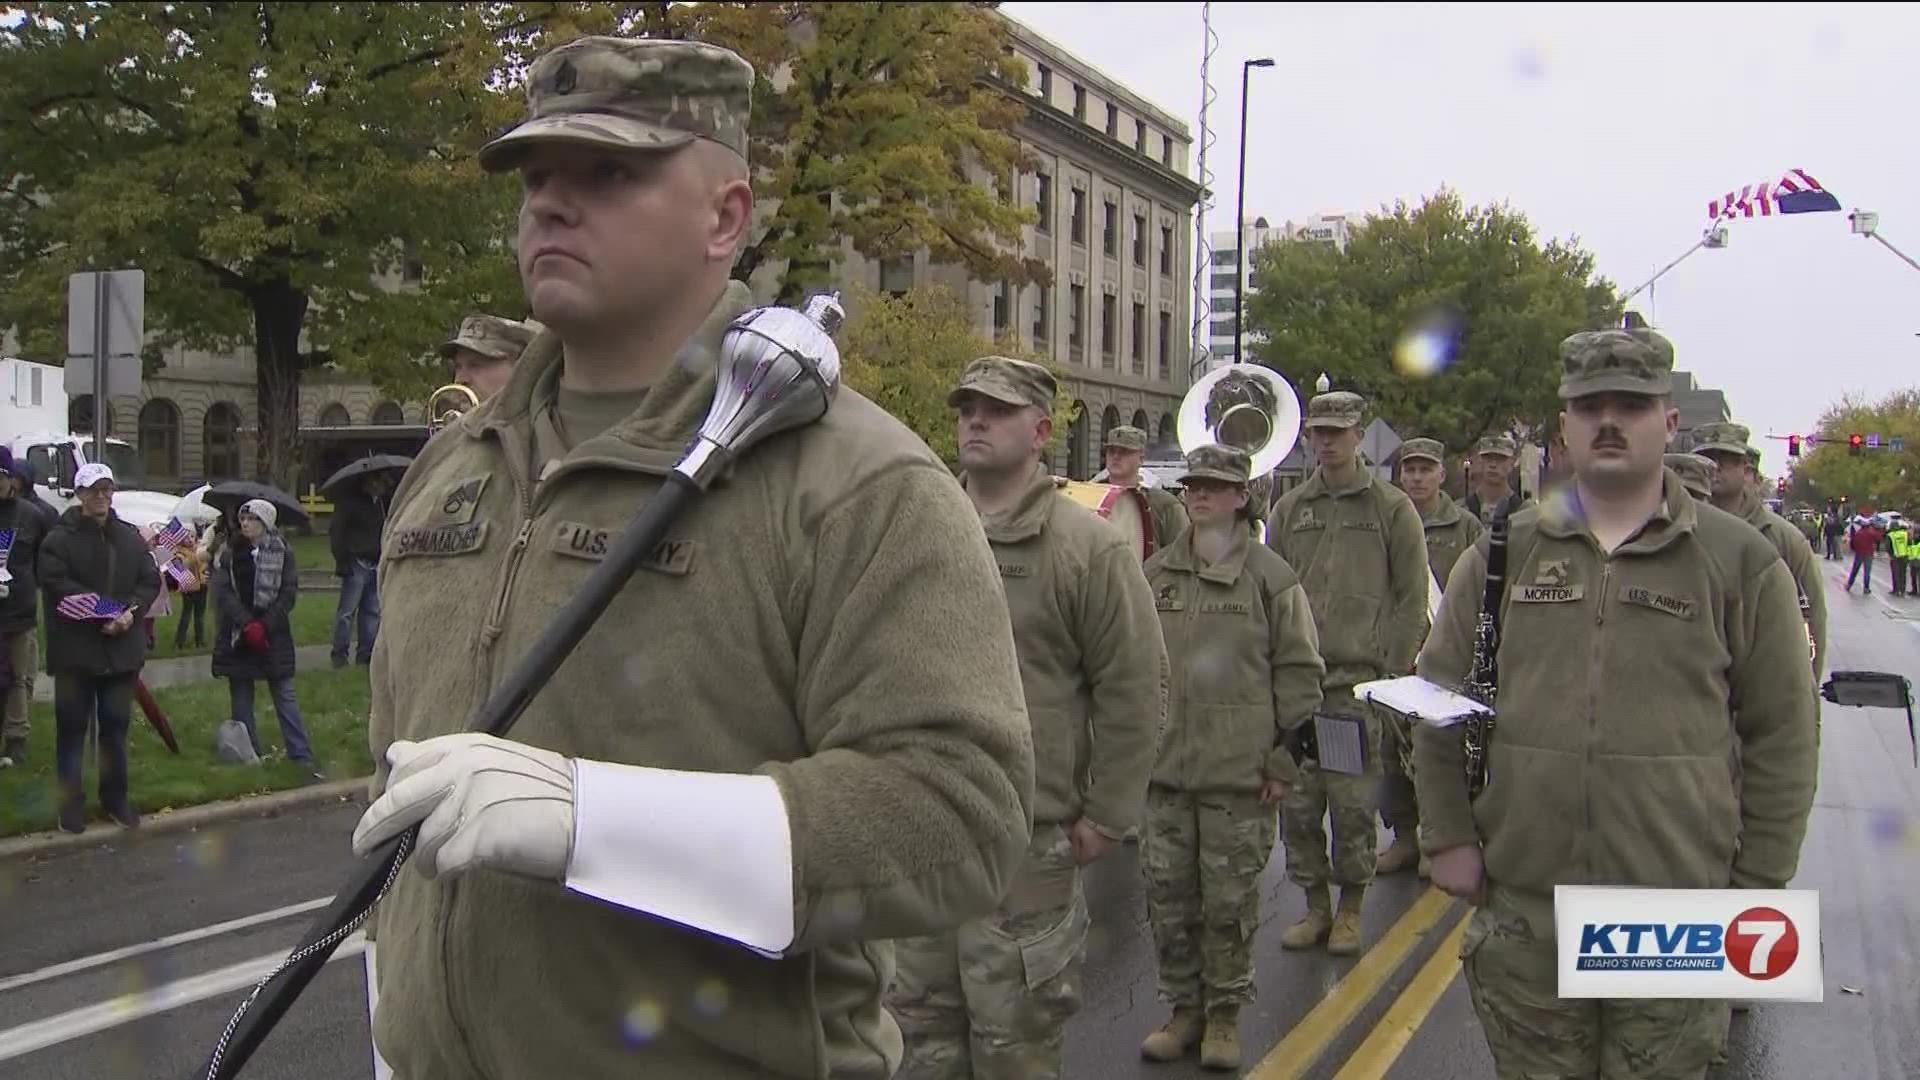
(39, 845)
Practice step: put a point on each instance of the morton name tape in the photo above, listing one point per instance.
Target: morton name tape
(1744, 944)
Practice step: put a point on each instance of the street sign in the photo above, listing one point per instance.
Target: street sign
(1813, 440)
(106, 325)
(1873, 440)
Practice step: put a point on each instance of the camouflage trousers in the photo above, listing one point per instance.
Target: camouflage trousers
(1513, 979)
(991, 998)
(1399, 808)
(1347, 800)
(1204, 853)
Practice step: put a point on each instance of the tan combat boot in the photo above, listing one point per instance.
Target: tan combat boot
(1344, 938)
(1175, 1037)
(1313, 927)
(1221, 1050)
(1403, 853)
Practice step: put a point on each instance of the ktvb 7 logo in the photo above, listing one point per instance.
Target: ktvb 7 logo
(1760, 943)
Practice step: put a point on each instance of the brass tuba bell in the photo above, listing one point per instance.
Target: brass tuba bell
(448, 404)
(1245, 406)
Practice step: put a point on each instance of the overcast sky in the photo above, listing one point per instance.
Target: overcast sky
(1611, 123)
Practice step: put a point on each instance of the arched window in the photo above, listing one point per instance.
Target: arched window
(1168, 433)
(160, 438)
(1109, 420)
(1077, 443)
(1140, 421)
(220, 457)
(335, 415)
(80, 415)
(389, 413)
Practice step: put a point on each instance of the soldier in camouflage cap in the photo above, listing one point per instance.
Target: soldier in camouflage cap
(991, 995)
(1619, 589)
(1493, 461)
(481, 353)
(1247, 674)
(1736, 490)
(1125, 451)
(1449, 530)
(891, 796)
(1356, 542)
(1696, 474)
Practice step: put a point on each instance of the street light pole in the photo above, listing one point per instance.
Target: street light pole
(1240, 212)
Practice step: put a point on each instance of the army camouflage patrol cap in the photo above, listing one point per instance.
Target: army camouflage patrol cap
(1423, 448)
(491, 337)
(631, 94)
(1696, 473)
(1126, 437)
(1215, 462)
(1002, 378)
(1497, 444)
(1339, 409)
(1723, 437)
(1636, 361)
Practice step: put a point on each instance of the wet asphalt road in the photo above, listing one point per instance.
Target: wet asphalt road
(1338, 1018)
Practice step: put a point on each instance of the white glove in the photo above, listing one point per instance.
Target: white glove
(480, 801)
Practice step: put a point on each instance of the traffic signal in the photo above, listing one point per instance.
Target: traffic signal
(1854, 442)
(1793, 446)
(1780, 486)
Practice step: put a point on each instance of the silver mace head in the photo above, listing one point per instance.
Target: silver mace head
(779, 369)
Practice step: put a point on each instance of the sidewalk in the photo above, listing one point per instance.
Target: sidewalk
(184, 670)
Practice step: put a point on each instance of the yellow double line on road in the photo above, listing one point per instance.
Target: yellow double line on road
(1298, 1053)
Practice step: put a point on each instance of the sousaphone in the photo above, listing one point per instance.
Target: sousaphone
(1250, 408)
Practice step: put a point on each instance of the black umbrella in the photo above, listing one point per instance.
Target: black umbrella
(368, 465)
(227, 498)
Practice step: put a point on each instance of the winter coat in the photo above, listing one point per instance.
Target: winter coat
(233, 608)
(354, 532)
(82, 556)
(1245, 661)
(1630, 685)
(827, 614)
(1451, 531)
(19, 609)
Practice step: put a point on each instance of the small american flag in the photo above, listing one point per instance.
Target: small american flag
(89, 605)
(6, 543)
(174, 535)
(179, 571)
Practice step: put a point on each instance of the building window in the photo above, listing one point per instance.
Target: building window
(220, 443)
(1043, 201)
(1042, 336)
(1223, 257)
(1223, 283)
(1113, 121)
(160, 438)
(1046, 83)
(389, 413)
(1166, 250)
(1109, 325)
(1139, 136)
(1138, 343)
(1002, 308)
(896, 275)
(1077, 319)
(1077, 448)
(1166, 151)
(335, 415)
(1109, 420)
(1109, 230)
(1079, 232)
(1166, 344)
(80, 416)
(1166, 429)
(1079, 102)
(1140, 241)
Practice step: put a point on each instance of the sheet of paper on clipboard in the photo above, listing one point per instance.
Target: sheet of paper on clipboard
(1430, 703)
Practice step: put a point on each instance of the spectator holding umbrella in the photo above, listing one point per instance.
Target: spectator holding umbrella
(360, 493)
(255, 583)
(98, 580)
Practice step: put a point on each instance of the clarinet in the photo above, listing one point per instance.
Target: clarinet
(1483, 683)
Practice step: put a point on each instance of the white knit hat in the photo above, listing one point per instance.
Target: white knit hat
(262, 509)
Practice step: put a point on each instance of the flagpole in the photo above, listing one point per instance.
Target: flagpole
(1904, 257)
(1714, 237)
